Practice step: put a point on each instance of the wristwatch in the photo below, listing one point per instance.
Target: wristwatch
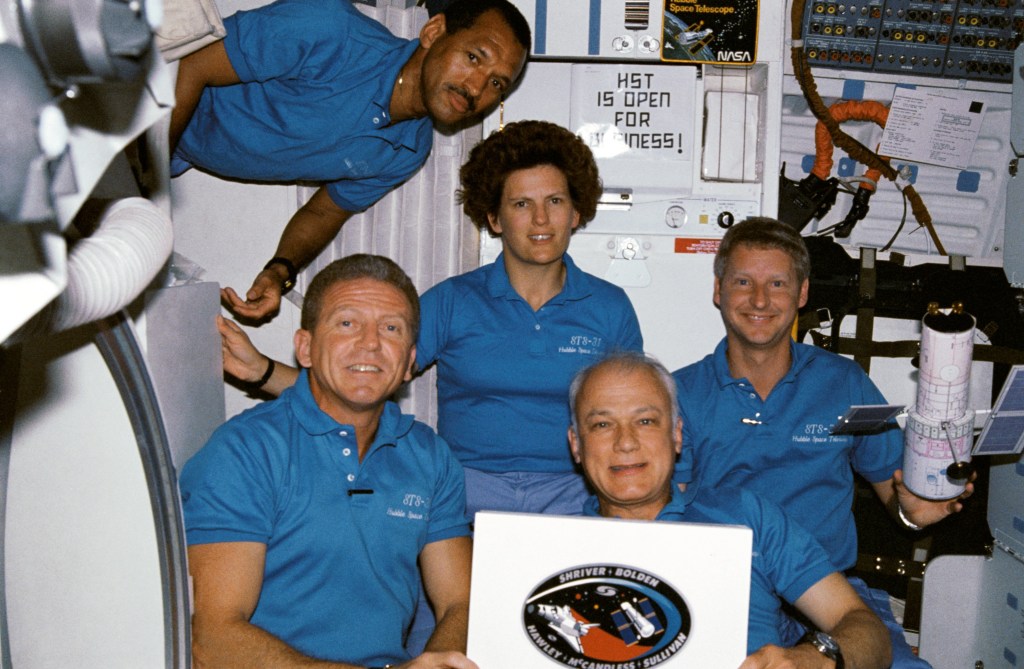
(827, 646)
(289, 266)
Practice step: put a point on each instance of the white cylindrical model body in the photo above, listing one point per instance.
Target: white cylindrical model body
(928, 446)
(940, 425)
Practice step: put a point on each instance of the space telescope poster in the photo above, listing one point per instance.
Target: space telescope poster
(710, 31)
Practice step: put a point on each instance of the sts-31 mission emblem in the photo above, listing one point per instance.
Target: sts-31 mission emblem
(603, 616)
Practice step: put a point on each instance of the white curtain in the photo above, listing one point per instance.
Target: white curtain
(418, 225)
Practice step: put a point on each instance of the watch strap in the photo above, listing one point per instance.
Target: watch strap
(293, 274)
(826, 645)
(262, 381)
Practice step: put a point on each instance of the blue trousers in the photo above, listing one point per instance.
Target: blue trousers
(523, 492)
(878, 601)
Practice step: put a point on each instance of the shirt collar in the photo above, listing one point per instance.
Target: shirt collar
(498, 284)
(721, 365)
(403, 133)
(672, 511)
(393, 423)
(680, 501)
(799, 356)
(578, 284)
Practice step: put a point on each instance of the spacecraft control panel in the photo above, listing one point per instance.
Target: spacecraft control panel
(956, 39)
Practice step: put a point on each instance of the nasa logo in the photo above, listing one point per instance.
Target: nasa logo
(734, 56)
(607, 616)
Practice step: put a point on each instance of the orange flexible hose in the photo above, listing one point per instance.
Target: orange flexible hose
(856, 150)
(842, 111)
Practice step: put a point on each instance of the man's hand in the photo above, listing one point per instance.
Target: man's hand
(241, 359)
(923, 512)
(801, 656)
(263, 299)
(445, 660)
(310, 229)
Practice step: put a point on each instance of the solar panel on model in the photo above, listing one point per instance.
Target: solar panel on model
(1004, 430)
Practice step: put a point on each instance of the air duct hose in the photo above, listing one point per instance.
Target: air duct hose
(108, 269)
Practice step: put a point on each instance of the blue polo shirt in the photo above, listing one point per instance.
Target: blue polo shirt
(786, 561)
(313, 106)
(788, 455)
(341, 579)
(503, 369)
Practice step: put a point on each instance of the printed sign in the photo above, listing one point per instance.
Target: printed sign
(639, 111)
(934, 128)
(697, 245)
(710, 31)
